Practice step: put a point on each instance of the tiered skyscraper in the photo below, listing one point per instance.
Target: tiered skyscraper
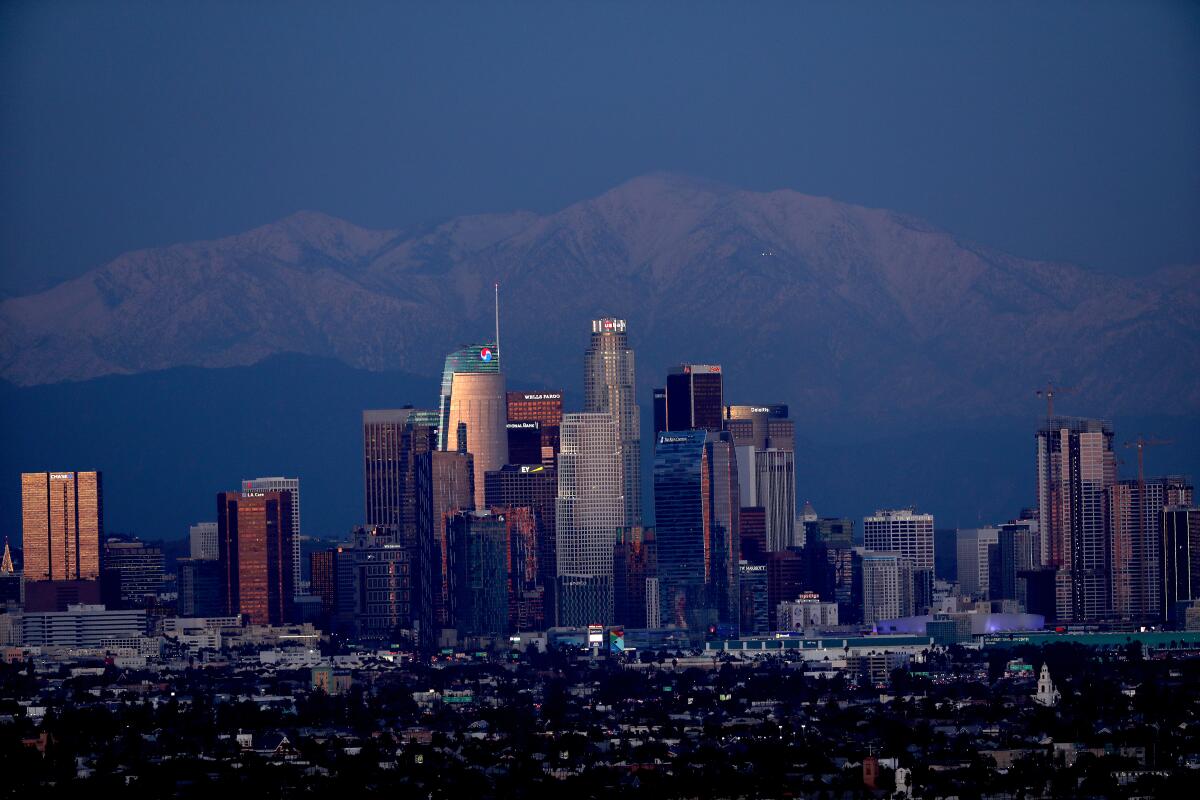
(589, 510)
(608, 388)
(765, 441)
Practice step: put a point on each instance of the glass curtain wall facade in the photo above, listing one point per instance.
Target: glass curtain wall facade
(62, 520)
(697, 529)
(589, 510)
(608, 388)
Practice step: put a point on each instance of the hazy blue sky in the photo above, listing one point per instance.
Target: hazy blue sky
(1059, 130)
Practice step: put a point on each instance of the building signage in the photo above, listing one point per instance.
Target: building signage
(608, 325)
(671, 439)
(485, 354)
(523, 425)
(546, 396)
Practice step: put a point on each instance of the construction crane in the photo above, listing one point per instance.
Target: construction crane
(1049, 392)
(1141, 443)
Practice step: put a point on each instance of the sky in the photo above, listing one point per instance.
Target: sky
(1057, 130)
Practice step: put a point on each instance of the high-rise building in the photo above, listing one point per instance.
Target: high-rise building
(945, 554)
(534, 487)
(833, 531)
(292, 487)
(608, 388)
(200, 587)
(771, 475)
(495, 572)
(323, 583)
(254, 537)
(694, 398)
(697, 526)
(752, 584)
(1135, 521)
(62, 516)
(973, 564)
(589, 509)
(762, 427)
(634, 562)
(1016, 551)
(1181, 561)
(534, 421)
(752, 534)
(659, 404)
(445, 485)
(138, 570)
(1076, 467)
(474, 406)
(887, 586)
(785, 579)
(387, 584)
(202, 539)
(903, 531)
(392, 439)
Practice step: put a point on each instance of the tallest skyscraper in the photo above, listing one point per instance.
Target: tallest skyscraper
(608, 388)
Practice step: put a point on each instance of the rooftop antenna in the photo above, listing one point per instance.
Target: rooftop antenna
(497, 287)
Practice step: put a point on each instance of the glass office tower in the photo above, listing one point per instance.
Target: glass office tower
(696, 527)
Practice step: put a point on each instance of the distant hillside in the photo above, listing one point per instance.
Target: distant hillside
(842, 311)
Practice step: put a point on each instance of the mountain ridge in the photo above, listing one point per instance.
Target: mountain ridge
(887, 313)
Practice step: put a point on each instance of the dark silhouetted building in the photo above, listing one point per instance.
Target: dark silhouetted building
(445, 485)
(495, 572)
(752, 583)
(658, 400)
(832, 531)
(634, 566)
(752, 534)
(137, 570)
(694, 398)
(785, 581)
(1181, 561)
(534, 487)
(200, 588)
(945, 554)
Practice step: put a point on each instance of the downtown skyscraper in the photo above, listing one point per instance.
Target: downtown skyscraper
(254, 540)
(473, 410)
(693, 400)
(697, 526)
(1076, 468)
(292, 487)
(62, 520)
(608, 388)
(589, 510)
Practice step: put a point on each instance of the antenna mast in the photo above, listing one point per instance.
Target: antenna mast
(497, 287)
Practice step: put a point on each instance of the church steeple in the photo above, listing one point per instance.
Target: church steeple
(6, 565)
